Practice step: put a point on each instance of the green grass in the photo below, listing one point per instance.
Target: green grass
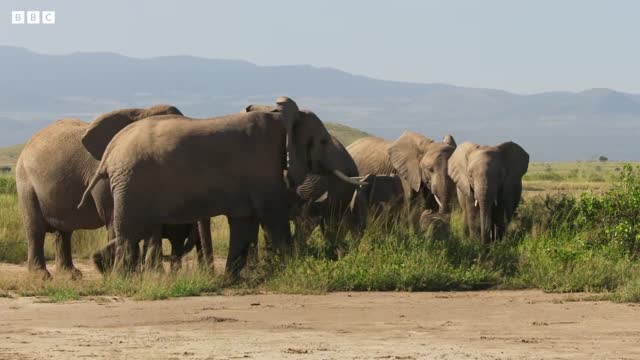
(148, 286)
(570, 177)
(558, 242)
(389, 260)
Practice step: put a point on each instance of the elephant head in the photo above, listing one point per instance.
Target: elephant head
(106, 126)
(490, 179)
(310, 147)
(423, 164)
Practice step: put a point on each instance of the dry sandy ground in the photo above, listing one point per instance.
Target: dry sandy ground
(472, 325)
(451, 325)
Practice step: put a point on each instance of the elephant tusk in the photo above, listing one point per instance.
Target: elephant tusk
(323, 197)
(476, 203)
(354, 181)
(437, 200)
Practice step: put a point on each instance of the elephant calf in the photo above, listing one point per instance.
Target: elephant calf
(183, 238)
(382, 194)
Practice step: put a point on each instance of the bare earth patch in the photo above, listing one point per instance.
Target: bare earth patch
(475, 325)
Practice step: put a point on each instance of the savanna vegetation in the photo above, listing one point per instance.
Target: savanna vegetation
(577, 230)
(564, 242)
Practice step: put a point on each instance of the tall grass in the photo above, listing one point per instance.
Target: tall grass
(562, 243)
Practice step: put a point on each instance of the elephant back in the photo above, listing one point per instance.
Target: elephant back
(371, 156)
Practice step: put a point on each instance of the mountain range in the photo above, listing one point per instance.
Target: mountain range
(551, 126)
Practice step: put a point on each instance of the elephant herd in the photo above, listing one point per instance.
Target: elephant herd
(149, 174)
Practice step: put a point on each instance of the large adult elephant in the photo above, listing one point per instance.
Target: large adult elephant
(420, 162)
(323, 199)
(54, 169)
(489, 185)
(179, 170)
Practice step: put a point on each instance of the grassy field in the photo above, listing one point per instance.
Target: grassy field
(561, 241)
(569, 177)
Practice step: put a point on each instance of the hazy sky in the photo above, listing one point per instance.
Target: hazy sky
(521, 46)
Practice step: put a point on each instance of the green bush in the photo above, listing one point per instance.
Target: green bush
(614, 217)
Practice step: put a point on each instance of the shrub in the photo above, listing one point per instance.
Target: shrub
(615, 215)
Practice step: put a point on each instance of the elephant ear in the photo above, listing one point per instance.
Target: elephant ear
(405, 154)
(458, 166)
(449, 140)
(262, 108)
(101, 130)
(516, 160)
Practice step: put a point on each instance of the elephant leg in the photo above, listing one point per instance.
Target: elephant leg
(194, 237)
(204, 232)
(275, 222)
(127, 255)
(153, 252)
(35, 228)
(64, 261)
(500, 226)
(177, 251)
(243, 232)
(511, 194)
(253, 251)
(128, 224)
(104, 258)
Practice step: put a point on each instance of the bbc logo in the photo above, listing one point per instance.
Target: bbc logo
(33, 17)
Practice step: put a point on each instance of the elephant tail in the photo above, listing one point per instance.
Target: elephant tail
(100, 172)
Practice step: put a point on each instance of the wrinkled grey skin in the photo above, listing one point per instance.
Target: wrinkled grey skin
(421, 164)
(181, 170)
(381, 194)
(322, 199)
(52, 172)
(489, 185)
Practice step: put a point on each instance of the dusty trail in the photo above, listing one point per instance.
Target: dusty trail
(475, 325)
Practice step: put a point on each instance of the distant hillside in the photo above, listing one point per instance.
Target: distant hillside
(551, 126)
(344, 133)
(9, 155)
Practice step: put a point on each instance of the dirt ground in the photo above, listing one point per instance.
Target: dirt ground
(451, 325)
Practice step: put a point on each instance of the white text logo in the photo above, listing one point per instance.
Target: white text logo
(33, 17)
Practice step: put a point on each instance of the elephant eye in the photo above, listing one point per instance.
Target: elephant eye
(324, 142)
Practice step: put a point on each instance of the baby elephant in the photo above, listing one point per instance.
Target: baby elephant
(182, 237)
(383, 194)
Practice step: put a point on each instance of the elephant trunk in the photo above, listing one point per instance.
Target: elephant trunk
(443, 189)
(485, 199)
